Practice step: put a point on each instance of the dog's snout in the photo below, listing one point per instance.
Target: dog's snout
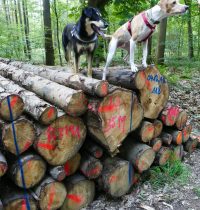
(106, 24)
(186, 7)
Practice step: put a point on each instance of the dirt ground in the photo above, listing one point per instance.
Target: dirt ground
(178, 197)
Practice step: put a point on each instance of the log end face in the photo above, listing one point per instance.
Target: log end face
(17, 107)
(48, 116)
(140, 79)
(101, 89)
(164, 155)
(181, 120)
(147, 132)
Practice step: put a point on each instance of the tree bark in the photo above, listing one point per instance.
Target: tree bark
(109, 120)
(80, 192)
(77, 82)
(139, 154)
(161, 42)
(60, 141)
(34, 169)
(16, 105)
(121, 77)
(3, 165)
(117, 177)
(49, 50)
(51, 194)
(33, 105)
(90, 167)
(66, 98)
(24, 139)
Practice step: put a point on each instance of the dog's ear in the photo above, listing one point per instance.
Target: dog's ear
(87, 12)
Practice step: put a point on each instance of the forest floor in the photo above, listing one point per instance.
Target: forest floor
(184, 192)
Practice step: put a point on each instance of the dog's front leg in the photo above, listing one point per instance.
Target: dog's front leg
(90, 59)
(76, 63)
(144, 59)
(132, 52)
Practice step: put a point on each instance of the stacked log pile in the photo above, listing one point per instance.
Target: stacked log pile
(65, 136)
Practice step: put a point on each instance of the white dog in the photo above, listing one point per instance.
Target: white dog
(139, 29)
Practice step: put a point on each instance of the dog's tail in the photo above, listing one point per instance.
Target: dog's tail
(107, 37)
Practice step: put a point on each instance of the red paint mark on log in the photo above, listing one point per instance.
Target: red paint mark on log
(179, 138)
(113, 105)
(29, 163)
(112, 179)
(46, 146)
(148, 84)
(104, 88)
(27, 145)
(50, 112)
(67, 168)
(14, 101)
(23, 204)
(98, 153)
(150, 129)
(75, 198)
(51, 196)
(95, 171)
(172, 115)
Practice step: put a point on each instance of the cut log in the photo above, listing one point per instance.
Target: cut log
(162, 156)
(50, 193)
(34, 169)
(59, 173)
(65, 98)
(166, 138)
(177, 151)
(25, 135)
(14, 198)
(93, 149)
(39, 109)
(158, 126)
(190, 145)
(140, 155)
(154, 95)
(117, 177)
(109, 120)
(181, 119)
(90, 166)
(177, 137)
(122, 77)
(186, 132)
(170, 115)
(80, 192)
(156, 144)
(16, 104)
(74, 81)
(3, 165)
(145, 132)
(60, 141)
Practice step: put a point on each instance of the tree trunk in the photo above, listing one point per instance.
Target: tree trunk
(3, 165)
(16, 105)
(117, 177)
(78, 82)
(49, 51)
(34, 169)
(190, 30)
(26, 28)
(51, 194)
(90, 167)
(109, 120)
(163, 156)
(121, 77)
(66, 98)
(169, 115)
(156, 144)
(144, 133)
(61, 140)
(24, 139)
(33, 105)
(161, 42)
(139, 154)
(80, 192)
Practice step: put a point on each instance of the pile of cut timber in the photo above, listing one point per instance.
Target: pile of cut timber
(63, 136)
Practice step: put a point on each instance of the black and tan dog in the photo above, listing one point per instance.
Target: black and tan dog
(82, 37)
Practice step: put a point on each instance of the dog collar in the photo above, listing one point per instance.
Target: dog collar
(75, 34)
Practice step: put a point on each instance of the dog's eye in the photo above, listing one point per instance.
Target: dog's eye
(174, 2)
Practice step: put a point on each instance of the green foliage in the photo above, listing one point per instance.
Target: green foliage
(173, 171)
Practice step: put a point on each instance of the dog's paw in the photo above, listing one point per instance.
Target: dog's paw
(134, 68)
(144, 64)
